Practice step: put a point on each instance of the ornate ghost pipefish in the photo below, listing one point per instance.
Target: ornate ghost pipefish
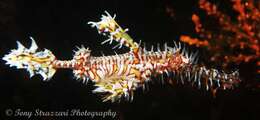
(119, 75)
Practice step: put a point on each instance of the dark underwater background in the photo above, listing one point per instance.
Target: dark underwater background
(61, 25)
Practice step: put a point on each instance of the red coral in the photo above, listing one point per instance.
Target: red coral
(241, 36)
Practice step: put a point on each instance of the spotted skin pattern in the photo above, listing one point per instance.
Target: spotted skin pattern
(117, 76)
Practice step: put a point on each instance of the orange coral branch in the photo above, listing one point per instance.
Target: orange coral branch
(194, 41)
(196, 20)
